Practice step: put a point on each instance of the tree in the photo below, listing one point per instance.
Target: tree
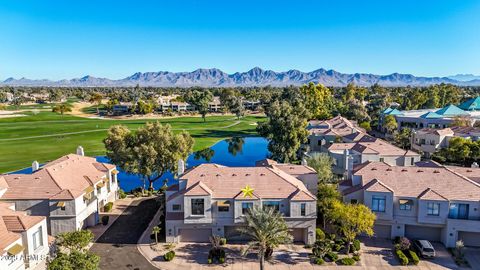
(322, 164)
(235, 145)
(366, 126)
(286, 128)
(110, 103)
(403, 138)
(327, 195)
(144, 107)
(62, 108)
(267, 229)
(156, 230)
(151, 151)
(352, 220)
(390, 123)
(96, 98)
(461, 121)
(73, 252)
(318, 100)
(201, 100)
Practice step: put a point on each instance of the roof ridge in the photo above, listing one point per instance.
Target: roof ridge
(462, 176)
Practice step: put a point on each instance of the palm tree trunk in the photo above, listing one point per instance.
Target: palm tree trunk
(262, 262)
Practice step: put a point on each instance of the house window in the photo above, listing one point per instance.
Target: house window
(223, 206)
(303, 207)
(198, 207)
(176, 207)
(273, 204)
(458, 211)
(378, 203)
(433, 209)
(405, 204)
(246, 206)
(37, 238)
(353, 201)
(382, 159)
(411, 161)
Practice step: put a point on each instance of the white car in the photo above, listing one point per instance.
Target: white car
(424, 248)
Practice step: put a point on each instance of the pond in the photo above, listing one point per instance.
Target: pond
(237, 151)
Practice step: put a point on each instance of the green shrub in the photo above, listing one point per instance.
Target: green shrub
(108, 207)
(105, 220)
(223, 241)
(332, 256)
(210, 261)
(356, 245)
(347, 261)
(137, 194)
(318, 261)
(337, 247)
(356, 257)
(319, 234)
(221, 260)
(122, 194)
(332, 236)
(413, 257)
(169, 256)
(402, 257)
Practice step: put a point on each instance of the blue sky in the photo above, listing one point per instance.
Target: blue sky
(66, 39)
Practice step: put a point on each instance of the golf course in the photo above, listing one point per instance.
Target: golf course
(44, 135)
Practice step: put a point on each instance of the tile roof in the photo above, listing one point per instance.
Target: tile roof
(472, 104)
(61, 179)
(414, 181)
(471, 173)
(451, 110)
(374, 146)
(338, 126)
(227, 182)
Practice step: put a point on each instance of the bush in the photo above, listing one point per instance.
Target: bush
(356, 257)
(105, 220)
(108, 207)
(402, 257)
(332, 236)
(404, 243)
(223, 241)
(319, 234)
(209, 260)
(347, 261)
(337, 247)
(122, 194)
(137, 194)
(318, 261)
(221, 260)
(356, 245)
(332, 256)
(169, 256)
(414, 257)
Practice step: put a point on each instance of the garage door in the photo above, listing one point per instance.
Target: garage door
(470, 239)
(195, 235)
(423, 233)
(298, 234)
(233, 235)
(382, 231)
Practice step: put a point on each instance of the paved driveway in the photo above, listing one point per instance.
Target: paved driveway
(117, 247)
(473, 257)
(379, 253)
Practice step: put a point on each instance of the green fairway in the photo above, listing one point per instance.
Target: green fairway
(45, 135)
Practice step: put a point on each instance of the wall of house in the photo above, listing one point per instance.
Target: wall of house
(388, 214)
(62, 224)
(310, 180)
(13, 263)
(39, 255)
(189, 218)
(424, 218)
(310, 208)
(33, 207)
(55, 210)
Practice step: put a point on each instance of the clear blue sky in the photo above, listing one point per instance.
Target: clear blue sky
(66, 39)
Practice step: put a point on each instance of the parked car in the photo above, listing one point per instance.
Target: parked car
(424, 248)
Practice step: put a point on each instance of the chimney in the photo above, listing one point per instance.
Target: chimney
(80, 151)
(350, 167)
(475, 165)
(35, 166)
(181, 167)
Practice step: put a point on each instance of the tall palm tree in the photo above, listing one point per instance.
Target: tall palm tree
(267, 230)
(156, 230)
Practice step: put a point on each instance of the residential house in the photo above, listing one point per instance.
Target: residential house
(428, 140)
(347, 155)
(69, 191)
(122, 108)
(322, 133)
(215, 105)
(434, 203)
(23, 239)
(251, 105)
(212, 199)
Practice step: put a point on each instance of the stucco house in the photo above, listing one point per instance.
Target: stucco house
(23, 240)
(69, 191)
(211, 200)
(430, 202)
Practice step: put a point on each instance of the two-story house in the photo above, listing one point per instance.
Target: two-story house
(433, 203)
(69, 191)
(428, 140)
(212, 199)
(23, 240)
(369, 149)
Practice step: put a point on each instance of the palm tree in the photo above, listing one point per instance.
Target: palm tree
(156, 230)
(62, 108)
(267, 230)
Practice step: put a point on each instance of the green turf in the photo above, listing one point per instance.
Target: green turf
(44, 135)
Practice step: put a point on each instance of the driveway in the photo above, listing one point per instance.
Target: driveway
(117, 247)
(379, 253)
(473, 257)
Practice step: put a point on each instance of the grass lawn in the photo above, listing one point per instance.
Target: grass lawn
(46, 136)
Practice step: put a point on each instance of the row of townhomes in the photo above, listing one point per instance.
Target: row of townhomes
(63, 195)
(211, 200)
(428, 201)
(435, 118)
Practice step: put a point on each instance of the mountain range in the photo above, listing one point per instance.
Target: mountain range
(254, 77)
